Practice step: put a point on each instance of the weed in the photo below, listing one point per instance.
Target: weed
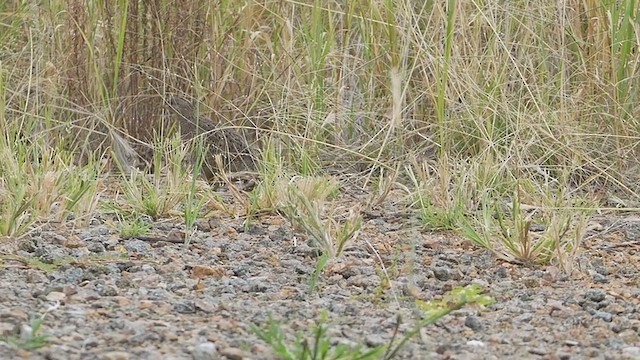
(30, 337)
(134, 228)
(437, 309)
(193, 207)
(307, 208)
(269, 193)
(313, 279)
(47, 188)
(159, 194)
(560, 227)
(443, 195)
(318, 345)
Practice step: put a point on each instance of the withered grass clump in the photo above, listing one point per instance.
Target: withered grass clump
(351, 87)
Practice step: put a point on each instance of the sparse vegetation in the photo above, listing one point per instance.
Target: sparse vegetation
(508, 122)
(317, 343)
(130, 229)
(508, 228)
(31, 338)
(330, 226)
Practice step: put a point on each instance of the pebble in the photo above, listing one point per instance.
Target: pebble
(607, 317)
(232, 353)
(184, 308)
(108, 290)
(36, 276)
(115, 355)
(205, 351)
(441, 273)
(595, 295)
(476, 343)
(472, 322)
(6, 328)
(374, 340)
(96, 247)
(631, 351)
(137, 246)
(148, 302)
(56, 296)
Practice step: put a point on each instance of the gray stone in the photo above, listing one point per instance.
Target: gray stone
(595, 295)
(472, 322)
(205, 351)
(441, 273)
(137, 246)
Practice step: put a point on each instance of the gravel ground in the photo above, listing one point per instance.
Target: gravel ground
(150, 299)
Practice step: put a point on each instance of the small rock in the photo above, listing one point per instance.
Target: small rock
(501, 272)
(205, 306)
(472, 322)
(115, 355)
(184, 308)
(595, 295)
(95, 247)
(73, 242)
(441, 273)
(36, 276)
(148, 269)
(308, 251)
(531, 282)
(90, 342)
(476, 343)
(257, 285)
(607, 317)
(234, 353)
(108, 290)
(56, 296)
(631, 351)
(137, 246)
(537, 351)
(374, 340)
(204, 271)
(205, 351)
(256, 230)
(6, 328)
(599, 278)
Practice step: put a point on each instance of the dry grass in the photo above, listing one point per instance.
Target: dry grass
(534, 91)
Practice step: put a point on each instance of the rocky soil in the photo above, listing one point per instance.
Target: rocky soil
(156, 298)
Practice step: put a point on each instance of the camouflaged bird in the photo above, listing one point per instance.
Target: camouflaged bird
(237, 154)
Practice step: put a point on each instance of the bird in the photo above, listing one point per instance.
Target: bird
(237, 154)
